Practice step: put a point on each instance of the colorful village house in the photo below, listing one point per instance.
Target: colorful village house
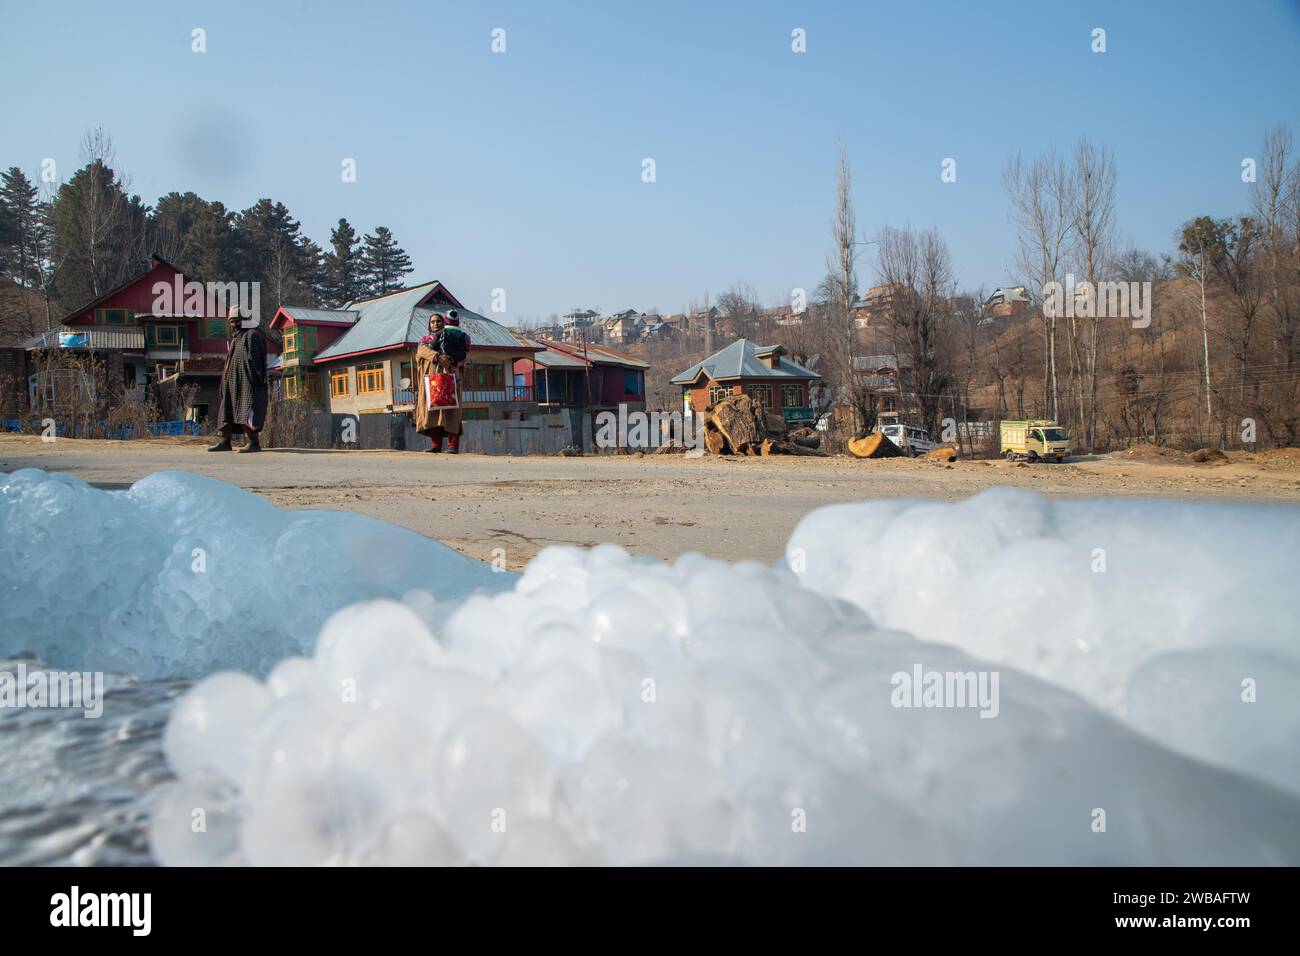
(360, 359)
(582, 380)
(762, 372)
(172, 345)
(586, 376)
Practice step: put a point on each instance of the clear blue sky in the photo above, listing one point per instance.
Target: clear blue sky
(522, 170)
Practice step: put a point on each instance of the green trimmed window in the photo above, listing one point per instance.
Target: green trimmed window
(299, 341)
(164, 336)
(115, 317)
(216, 329)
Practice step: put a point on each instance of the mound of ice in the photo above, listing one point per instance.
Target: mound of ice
(183, 574)
(618, 710)
(1179, 618)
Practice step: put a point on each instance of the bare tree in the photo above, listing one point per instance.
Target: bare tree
(1042, 208)
(1277, 187)
(968, 320)
(1194, 248)
(920, 323)
(105, 215)
(740, 304)
(1094, 217)
(838, 292)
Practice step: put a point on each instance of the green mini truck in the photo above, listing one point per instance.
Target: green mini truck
(1035, 440)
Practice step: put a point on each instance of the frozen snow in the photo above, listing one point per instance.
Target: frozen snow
(373, 697)
(183, 574)
(1169, 615)
(621, 710)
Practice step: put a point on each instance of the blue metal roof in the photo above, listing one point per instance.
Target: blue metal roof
(399, 319)
(482, 330)
(741, 359)
(307, 316)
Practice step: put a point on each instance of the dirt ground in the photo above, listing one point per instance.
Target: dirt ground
(661, 505)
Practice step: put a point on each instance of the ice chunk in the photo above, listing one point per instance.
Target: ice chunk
(1178, 618)
(630, 718)
(183, 575)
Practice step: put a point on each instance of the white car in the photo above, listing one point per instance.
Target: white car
(910, 439)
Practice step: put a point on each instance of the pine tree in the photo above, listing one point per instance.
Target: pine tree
(22, 230)
(25, 245)
(342, 280)
(211, 250)
(8, 226)
(270, 249)
(314, 256)
(383, 263)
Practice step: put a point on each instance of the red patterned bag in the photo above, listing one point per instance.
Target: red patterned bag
(440, 391)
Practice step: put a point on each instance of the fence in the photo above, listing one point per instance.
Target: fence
(539, 435)
(85, 429)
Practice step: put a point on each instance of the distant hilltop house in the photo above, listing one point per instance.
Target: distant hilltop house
(1011, 302)
(628, 327)
(145, 342)
(653, 328)
(763, 372)
(683, 325)
(580, 325)
(622, 328)
(874, 306)
(361, 359)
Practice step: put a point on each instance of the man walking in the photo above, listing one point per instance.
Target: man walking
(242, 403)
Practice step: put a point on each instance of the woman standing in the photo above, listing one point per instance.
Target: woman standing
(444, 349)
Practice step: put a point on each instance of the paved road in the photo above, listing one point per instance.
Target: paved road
(657, 505)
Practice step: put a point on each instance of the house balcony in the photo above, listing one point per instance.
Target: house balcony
(499, 393)
(404, 398)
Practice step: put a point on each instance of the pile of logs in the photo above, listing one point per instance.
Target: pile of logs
(738, 425)
(876, 445)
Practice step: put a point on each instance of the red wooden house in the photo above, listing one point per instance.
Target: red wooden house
(586, 376)
(159, 339)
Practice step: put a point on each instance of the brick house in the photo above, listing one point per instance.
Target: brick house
(778, 384)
